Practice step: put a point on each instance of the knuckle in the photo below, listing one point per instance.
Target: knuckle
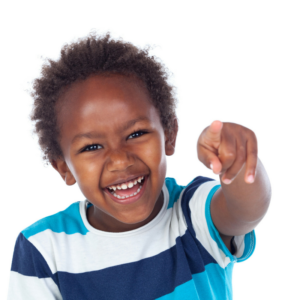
(253, 152)
(241, 156)
(242, 149)
(228, 155)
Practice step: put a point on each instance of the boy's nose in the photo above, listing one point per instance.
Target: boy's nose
(119, 161)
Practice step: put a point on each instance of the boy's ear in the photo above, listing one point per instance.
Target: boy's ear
(170, 139)
(62, 168)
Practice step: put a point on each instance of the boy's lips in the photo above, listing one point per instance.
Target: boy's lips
(130, 195)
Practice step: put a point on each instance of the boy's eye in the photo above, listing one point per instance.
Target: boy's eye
(136, 134)
(92, 147)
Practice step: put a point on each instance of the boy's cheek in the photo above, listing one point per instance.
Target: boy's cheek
(155, 152)
(83, 168)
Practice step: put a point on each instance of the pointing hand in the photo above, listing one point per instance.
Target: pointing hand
(225, 148)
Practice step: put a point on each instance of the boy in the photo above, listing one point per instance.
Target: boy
(105, 116)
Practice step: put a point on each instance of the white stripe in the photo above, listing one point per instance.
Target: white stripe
(197, 207)
(76, 253)
(240, 244)
(27, 287)
(178, 222)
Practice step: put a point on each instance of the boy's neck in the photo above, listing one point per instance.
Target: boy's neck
(101, 221)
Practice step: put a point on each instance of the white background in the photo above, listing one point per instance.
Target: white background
(234, 61)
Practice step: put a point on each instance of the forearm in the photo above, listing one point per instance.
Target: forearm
(248, 202)
(231, 149)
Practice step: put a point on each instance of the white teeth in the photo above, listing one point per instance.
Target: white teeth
(124, 186)
(130, 184)
(140, 179)
(125, 197)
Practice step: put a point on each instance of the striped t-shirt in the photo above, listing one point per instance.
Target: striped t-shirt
(178, 255)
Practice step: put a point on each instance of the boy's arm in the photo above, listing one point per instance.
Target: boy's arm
(240, 204)
(31, 277)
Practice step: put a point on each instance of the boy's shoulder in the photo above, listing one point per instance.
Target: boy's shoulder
(68, 221)
(175, 189)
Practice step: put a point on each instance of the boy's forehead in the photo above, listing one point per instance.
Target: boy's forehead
(115, 99)
(105, 86)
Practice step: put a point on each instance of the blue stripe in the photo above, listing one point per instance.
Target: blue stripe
(68, 221)
(215, 281)
(214, 284)
(28, 261)
(174, 191)
(186, 291)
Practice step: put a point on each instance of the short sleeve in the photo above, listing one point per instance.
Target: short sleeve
(198, 196)
(30, 276)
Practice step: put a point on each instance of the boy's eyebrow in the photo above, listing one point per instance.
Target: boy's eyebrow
(95, 134)
(132, 122)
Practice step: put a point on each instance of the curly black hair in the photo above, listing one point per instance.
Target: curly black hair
(90, 56)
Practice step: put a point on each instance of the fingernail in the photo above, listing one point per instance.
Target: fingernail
(250, 178)
(211, 166)
(226, 181)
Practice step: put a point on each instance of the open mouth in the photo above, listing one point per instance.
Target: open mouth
(127, 189)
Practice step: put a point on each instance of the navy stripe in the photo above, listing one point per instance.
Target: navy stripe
(196, 255)
(148, 278)
(186, 197)
(28, 261)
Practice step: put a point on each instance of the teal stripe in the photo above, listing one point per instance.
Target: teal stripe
(250, 243)
(174, 191)
(215, 283)
(214, 233)
(185, 291)
(68, 221)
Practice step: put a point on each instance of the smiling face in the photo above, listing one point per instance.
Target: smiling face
(111, 136)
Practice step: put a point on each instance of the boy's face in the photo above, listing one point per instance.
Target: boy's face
(110, 134)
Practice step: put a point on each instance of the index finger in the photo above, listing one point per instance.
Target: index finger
(251, 161)
(214, 130)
